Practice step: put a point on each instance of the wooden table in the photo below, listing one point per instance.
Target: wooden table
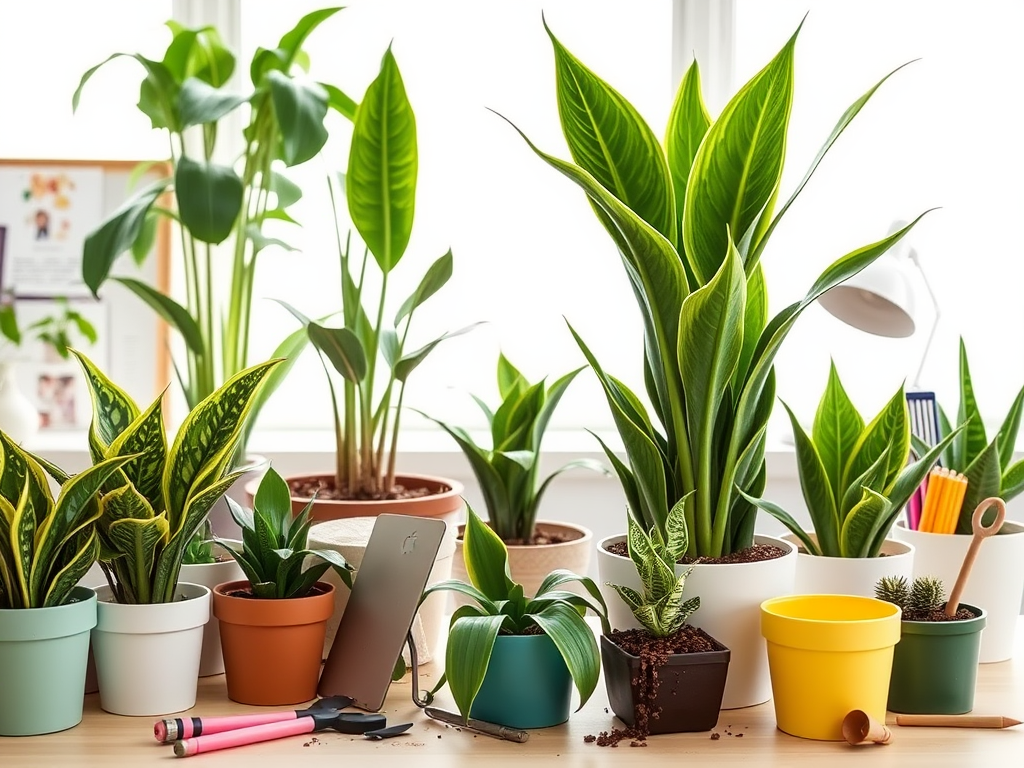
(747, 737)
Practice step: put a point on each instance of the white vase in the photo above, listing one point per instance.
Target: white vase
(19, 418)
(147, 656)
(995, 583)
(730, 609)
(817, 575)
(210, 575)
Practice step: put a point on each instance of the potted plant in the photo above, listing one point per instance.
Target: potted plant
(219, 209)
(151, 509)
(666, 676)
(370, 351)
(280, 611)
(46, 546)
(513, 659)
(508, 475)
(998, 580)
(935, 664)
(855, 478)
(691, 223)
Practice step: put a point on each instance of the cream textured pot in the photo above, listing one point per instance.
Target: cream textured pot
(849, 575)
(210, 575)
(730, 611)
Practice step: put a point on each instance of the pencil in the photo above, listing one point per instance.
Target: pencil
(957, 721)
(956, 500)
(935, 482)
(942, 504)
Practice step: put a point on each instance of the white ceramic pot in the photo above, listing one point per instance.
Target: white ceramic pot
(349, 536)
(210, 575)
(730, 609)
(995, 584)
(849, 575)
(18, 416)
(147, 656)
(530, 564)
(220, 514)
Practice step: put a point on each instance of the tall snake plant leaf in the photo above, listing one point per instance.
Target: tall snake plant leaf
(207, 438)
(1006, 437)
(380, 184)
(1013, 481)
(889, 430)
(147, 440)
(862, 524)
(688, 123)
(486, 560)
(818, 494)
(837, 425)
(22, 537)
(83, 549)
(972, 441)
(112, 409)
(137, 540)
(22, 475)
(874, 477)
(738, 167)
(608, 138)
(710, 341)
(755, 318)
(983, 481)
(552, 398)
(509, 378)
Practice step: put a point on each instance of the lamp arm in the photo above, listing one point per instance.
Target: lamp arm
(935, 323)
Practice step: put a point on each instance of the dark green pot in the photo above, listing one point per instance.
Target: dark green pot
(527, 684)
(935, 666)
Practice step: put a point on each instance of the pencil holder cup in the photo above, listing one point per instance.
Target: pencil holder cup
(828, 655)
(935, 666)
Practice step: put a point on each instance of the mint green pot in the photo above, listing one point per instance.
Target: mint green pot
(43, 653)
(527, 684)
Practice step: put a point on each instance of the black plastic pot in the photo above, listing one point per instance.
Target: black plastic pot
(690, 694)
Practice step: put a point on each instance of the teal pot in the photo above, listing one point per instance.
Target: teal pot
(689, 694)
(527, 684)
(43, 655)
(935, 666)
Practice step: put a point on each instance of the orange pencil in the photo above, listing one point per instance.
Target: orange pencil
(953, 505)
(942, 505)
(935, 482)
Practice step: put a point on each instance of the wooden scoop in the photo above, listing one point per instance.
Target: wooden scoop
(980, 533)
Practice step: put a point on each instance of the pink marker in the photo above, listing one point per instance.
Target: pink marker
(176, 728)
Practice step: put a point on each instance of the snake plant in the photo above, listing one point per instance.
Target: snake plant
(988, 465)
(660, 609)
(691, 221)
(46, 545)
(501, 607)
(855, 477)
(151, 507)
(273, 555)
(507, 472)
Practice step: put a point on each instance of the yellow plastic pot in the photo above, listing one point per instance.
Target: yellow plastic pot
(828, 654)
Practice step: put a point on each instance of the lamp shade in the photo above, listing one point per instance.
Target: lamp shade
(878, 300)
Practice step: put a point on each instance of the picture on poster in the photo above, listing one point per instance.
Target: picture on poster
(48, 211)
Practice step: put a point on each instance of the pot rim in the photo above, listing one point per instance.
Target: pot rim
(586, 536)
(221, 591)
(1009, 528)
(455, 488)
(33, 624)
(948, 628)
(715, 656)
(764, 539)
(272, 612)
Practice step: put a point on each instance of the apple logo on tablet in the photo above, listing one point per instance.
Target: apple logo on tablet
(409, 544)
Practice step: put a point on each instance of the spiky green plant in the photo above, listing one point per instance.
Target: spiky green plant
(926, 595)
(893, 589)
(660, 609)
(273, 554)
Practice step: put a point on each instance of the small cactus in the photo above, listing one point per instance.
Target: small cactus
(893, 589)
(926, 595)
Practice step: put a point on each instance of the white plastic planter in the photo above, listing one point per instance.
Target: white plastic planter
(850, 575)
(996, 581)
(210, 575)
(731, 597)
(147, 656)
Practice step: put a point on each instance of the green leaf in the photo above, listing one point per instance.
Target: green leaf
(786, 519)
(738, 168)
(608, 138)
(22, 535)
(199, 102)
(822, 506)
(117, 234)
(688, 123)
(380, 185)
(575, 643)
(157, 95)
(409, 362)
(437, 275)
(170, 311)
(1006, 437)
(888, 431)
(470, 644)
(509, 378)
(486, 558)
(273, 501)
(300, 108)
(340, 102)
(342, 348)
(862, 524)
(287, 191)
(261, 241)
(146, 240)
(112, 408)
(82, 554)
(209, 198)
(677, 538)
(972, 441)
(137, 539)
(1013, 481)
(9, 324)
(837, 426)
(983, 480)
(291, 42)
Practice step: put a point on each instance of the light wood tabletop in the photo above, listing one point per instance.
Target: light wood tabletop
(746, 737)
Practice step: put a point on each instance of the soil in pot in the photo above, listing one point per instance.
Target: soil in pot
(326, 490)
(654, 710)
(752, 554)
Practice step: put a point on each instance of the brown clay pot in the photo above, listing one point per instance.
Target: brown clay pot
(272, 648)
(443, 501)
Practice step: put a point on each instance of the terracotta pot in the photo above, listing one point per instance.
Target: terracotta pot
(272, 648)
(443, 501)
(530, 564)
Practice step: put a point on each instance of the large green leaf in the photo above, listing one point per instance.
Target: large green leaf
(470, 644)
(486, 559)
(21, 474)
(737, 170)
(380, 185)
(862, 524)
(199, 102)
(117, 234)
(84, 550)
(786, 519)
(1013, 481)
(755, 317)
(209, 198)
(112, 408)
(198, 53)
(300, 108)
(158, 93)
(208, 437)
(608, 138)
(983, 480)
(292, 40)
(576, 644)
(972, 441)
(136, 540)
(888, 431)
(837, 426)
(342, 347)
(22, 538)
(688, 123)
(146, 440)
(818, 494)
(170, 310)
(434, 279)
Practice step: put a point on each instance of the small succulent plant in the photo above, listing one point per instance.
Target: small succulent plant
(920, 598)
(660, 609)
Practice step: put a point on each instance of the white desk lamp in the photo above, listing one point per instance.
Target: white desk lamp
(880, 298)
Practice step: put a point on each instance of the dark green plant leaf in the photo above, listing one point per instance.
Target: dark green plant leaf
(786, 519)
(171, 311)
(342, 348)
(340, 101)
(984, 479)
(199, 102)
(209, 198)
(837, 426)
(576, 644)
(1006, 437)
(862, 524)
(300, 108)
(687, 125)
(409, 362)
(273, 501)
(486, 558)
(888, 431)
(436, 276)
(470, 644)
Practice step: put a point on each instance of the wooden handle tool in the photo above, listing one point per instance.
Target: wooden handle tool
(957, 721)
(981, 533)
(860, 728)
